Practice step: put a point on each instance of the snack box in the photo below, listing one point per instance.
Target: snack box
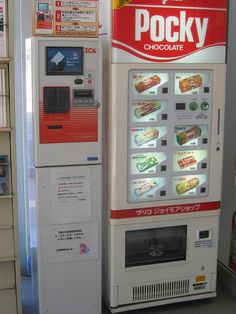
(147, 164)
(186, 186)
(146, 108)
(186, 136)
(145, 136)
(187, 162)
(146, 187)
(190, 83)
(147, 83)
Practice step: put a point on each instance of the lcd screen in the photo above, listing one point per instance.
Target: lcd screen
(64, 60)
(180, 106)
(43, 6)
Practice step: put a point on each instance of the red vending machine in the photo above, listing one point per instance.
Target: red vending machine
(166, 115)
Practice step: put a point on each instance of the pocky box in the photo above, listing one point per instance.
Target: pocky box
(190, 83)
(188, 135)
(145, 136)
(146, 187)
(147, 83)
(147, 164)
(186, 186)
(146, 108)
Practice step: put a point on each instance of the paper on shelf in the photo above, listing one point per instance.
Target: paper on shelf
(3, 105)
(3, 50)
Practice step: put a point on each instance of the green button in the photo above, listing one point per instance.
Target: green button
(192, 106)
(204, 105)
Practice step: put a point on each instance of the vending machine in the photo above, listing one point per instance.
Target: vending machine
(67, 131)
(166, 122)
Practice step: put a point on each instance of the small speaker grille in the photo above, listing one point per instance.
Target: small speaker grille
(160, 290)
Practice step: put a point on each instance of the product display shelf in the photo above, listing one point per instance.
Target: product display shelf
(4, 60)
(7, 259)
(10, 295)
(6, 196)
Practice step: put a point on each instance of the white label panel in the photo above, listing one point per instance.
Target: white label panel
(70, 194)
(73, 242)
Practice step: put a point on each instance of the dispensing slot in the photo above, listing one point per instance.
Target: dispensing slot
(56, 99)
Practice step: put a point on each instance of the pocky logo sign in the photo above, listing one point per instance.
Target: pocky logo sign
(173, 29)
(169, 31)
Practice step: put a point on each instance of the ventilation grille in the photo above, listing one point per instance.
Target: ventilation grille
(160, 290)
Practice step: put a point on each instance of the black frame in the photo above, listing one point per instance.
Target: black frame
(159, 245)
(44, 3)
(65, 73)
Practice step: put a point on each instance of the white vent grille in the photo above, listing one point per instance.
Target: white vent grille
(160, 290)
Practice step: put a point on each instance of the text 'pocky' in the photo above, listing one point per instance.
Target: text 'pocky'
(172, 28)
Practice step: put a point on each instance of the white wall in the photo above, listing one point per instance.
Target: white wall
(22, 30)
(228, 205)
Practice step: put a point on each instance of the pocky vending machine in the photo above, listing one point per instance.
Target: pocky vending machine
(167, 87)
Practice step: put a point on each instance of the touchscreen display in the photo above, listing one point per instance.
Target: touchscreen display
(64, 60)
(43, 6)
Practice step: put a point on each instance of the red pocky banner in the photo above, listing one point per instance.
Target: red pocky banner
(169, 31)
(164, 210)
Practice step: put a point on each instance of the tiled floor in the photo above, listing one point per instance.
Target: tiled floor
(27, 299)
(224, 303)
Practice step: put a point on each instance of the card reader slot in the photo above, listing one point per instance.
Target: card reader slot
(83, 98)
(83, 93)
